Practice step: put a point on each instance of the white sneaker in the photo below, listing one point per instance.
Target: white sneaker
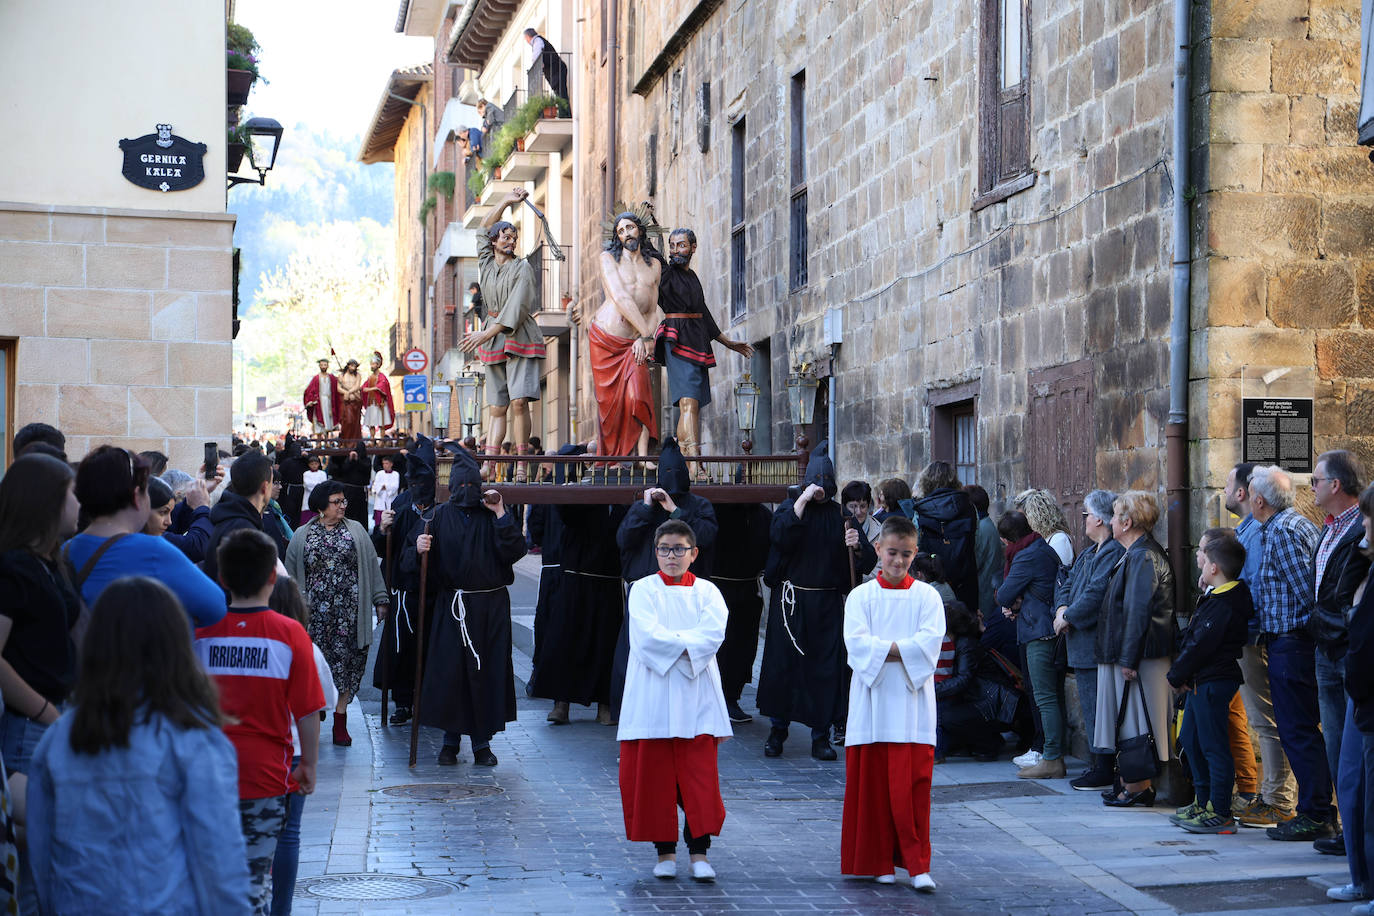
(666, 869)
(1028, 759)
(885, 879)
(702, 871)
(1345, 893)
(1363, 909)
(923, 883)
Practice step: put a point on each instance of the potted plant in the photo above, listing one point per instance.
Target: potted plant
(443, 183)
(236, 144)
(476, 182)
(428, 207)
(241, 58)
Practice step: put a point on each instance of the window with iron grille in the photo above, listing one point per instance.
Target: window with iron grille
(738, 253)
(1004, 165)
(954, 429)
(797, 257)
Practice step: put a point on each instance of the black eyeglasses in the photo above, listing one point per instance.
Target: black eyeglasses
(341, 501)
(664, 550)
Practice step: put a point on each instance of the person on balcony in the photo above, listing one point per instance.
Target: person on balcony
(555, 70)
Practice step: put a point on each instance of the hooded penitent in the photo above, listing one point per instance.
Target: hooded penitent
(465, 478)
(560, 474)
(420, 471)
(672, 469)
(821, 471)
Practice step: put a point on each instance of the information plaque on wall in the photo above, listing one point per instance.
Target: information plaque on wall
(1277, 431)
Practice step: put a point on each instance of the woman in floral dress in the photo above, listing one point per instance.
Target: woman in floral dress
(334, 563)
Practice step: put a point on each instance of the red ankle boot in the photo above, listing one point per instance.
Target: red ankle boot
(341, 736)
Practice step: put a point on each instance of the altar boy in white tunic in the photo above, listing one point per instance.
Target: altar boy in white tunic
(893, 627)
(673, 715)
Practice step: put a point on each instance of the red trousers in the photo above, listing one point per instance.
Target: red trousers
(886, 808)
(658, 774)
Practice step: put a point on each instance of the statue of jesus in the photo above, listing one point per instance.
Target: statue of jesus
(621, 336)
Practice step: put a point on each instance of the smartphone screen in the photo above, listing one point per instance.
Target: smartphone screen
(211, 459)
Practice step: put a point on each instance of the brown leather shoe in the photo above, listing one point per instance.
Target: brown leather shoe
(1045, 769)
(559, 714)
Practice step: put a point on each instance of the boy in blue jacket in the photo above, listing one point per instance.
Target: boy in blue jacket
(1206, 670)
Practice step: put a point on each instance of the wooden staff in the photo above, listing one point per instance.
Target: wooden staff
(849, 551)
(381, 657)
(419, 656)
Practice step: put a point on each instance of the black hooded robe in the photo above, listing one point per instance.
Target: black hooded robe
(469, 679)
(805, 674)
(740, 555)
(576, 654)
(396, 656)
(355, 475)
(291, 468)
(636, 540)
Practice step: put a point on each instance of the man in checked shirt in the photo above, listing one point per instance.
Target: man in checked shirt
(1285, 595)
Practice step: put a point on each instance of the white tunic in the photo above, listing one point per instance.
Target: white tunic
(385, 486)
(311, 480)
(891, 701)
(668, 695)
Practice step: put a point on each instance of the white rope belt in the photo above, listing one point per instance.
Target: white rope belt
(461, 615)
(405, 612)
(789, 605)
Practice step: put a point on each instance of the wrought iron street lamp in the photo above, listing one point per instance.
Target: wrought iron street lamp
(264, 140)
(468, 387)
(746, 410)
(440, 398)
(801, 404)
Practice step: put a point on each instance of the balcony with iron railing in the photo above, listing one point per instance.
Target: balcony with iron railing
(551, 311)
(401, 341)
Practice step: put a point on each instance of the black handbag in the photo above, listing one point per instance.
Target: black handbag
(1137, 758)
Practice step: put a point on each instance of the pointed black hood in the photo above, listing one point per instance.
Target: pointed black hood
(820, 470)
(560, 471)
(292, 448)
(465, 478)
(672, 469)
(420, 471)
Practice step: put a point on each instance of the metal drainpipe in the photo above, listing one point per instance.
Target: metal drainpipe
(612, 109)
(1176, 429)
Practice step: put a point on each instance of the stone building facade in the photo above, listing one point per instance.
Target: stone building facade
(982, 202)
(116, 303)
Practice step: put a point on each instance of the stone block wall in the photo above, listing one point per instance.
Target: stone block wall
(1284, 221)
(933, 293)
(123, 320)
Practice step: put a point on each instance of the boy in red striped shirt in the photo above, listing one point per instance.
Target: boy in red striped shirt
(264, 667)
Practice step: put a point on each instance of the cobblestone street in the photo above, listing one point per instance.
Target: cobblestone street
(542, 833)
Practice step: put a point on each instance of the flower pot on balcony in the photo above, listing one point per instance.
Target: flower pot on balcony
(551, 111)
(240, 83)
(519, 144)
(496, 174)
(233, 156)
(566, 301)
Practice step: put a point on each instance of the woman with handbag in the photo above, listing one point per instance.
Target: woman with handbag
(1025, 596)
(1135, 642)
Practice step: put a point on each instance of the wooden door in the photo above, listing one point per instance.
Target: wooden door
(1062, 438)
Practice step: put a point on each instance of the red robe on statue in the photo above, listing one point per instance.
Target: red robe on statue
(377, 393)
(624, 396)
(311, 400)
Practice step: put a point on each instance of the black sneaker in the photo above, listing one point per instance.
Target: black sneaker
(737, 715)
(484, 758)
(773, 746)
(1091, 779)
(1330, 845)
(401, 716)
(448, 756)
(1301, 829)
(838, 737)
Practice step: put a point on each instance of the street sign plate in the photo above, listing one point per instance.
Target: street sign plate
(415, 391)
(415, 360)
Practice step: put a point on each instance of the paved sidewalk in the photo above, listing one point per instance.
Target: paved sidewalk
(542, 834)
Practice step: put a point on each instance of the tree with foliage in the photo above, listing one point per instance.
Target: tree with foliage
(336, 289)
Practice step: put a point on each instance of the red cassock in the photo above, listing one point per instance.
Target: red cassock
(312, 393)
(656, 774)
(377, 390)
(886, 808)
(624, 396)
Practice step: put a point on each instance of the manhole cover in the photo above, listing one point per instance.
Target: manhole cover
(441, 791)
(374, 887)
(983, 791)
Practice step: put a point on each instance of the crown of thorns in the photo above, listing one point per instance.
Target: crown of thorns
(644, 212)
